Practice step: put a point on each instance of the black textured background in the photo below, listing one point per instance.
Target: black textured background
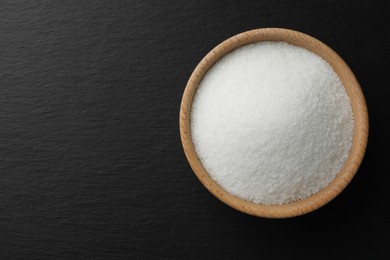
(91, 165)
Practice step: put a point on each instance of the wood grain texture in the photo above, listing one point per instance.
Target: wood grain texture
(354, 92)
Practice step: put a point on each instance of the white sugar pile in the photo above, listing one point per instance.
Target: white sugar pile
(272, 123)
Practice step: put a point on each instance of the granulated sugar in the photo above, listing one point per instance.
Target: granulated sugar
(272, 123)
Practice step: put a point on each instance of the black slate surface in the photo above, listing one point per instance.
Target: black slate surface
(91, 165)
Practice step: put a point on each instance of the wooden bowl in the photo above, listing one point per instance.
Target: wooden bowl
(353, 90)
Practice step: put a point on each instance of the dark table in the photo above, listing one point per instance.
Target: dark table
(91, 164)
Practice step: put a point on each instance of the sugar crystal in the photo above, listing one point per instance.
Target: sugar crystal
(272, 123)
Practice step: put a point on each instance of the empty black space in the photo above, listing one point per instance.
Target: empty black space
(91, 163)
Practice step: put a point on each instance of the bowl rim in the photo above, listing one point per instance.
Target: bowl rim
(355, 94)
